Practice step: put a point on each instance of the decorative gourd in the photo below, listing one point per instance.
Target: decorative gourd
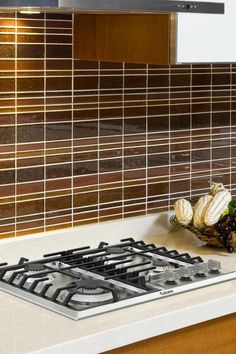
(216, 187)
(216, 207)
(199, 210)
(183, 211)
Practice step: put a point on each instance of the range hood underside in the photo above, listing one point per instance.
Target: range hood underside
(112, 6)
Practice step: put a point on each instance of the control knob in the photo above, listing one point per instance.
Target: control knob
(200, 270)
(186, 274)
(214, 266)
(171, 278)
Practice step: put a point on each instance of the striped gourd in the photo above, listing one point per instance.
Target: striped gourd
(183, 211)
(216, 207)
(200, 210)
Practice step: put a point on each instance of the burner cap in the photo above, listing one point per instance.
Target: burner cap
(34, 267)
(88, 291)
(115, 250)
(87, 284)
(161, 263)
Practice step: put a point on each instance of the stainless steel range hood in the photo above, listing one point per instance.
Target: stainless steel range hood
(113, 6)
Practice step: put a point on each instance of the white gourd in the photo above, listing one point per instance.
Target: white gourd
(216, 187)
(200, 210)
(216, 207)
(183, 211)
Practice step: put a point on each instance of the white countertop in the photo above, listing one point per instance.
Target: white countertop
(27, 328)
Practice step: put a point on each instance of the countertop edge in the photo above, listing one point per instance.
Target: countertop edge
(145, 329)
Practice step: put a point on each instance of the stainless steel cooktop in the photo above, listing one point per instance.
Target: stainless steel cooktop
(82, 282)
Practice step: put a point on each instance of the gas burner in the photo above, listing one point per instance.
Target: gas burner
(33, 271)
(88, 291)
(161, 265)
(118, 253)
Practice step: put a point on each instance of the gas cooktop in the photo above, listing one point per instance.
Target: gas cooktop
(82, 282)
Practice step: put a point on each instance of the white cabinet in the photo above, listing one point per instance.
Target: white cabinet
(203, 38)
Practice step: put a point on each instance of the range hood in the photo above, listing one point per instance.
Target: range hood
(113, 6)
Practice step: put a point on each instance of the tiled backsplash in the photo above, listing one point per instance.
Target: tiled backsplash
(85, 142)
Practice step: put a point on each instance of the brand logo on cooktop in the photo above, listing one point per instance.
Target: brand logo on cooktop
(166, 292)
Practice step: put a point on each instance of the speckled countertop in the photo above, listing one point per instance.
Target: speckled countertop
(27, 328)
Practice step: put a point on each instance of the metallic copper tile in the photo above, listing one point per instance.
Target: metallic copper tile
(59, 131)
(110, 127)
(7, 210)
(158, 189)
(28, 133)
(110, 177)
(7, 85)
(85, 129)
(111, 113)
(84, 168)
(58, 171)
(30, 174)
(180, 80)
(27, 38)
(56, 51)
(135, 162)
(180, 186)
(85, 83)
(7, 177)
(158, 160)
(158, 123)
(134, 174)
(110, 165)
(50, 38)
(5, 37)
(134, 126)
(35, 161)
(84, 199)
(64, 64)
(85, 114)
(158, 80)
(30, 84)
(7, 51)
(200, 182)
(29, 188)
(30, 51)
(134, 81)
(180, 109)
(7, 135)
(7, 191)
(58, 203)
(54, 83)
(179, 122)
(110, 195)
(221, 118)
(135, 192)
(30, 207)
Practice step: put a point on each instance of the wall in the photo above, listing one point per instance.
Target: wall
(84, 142)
